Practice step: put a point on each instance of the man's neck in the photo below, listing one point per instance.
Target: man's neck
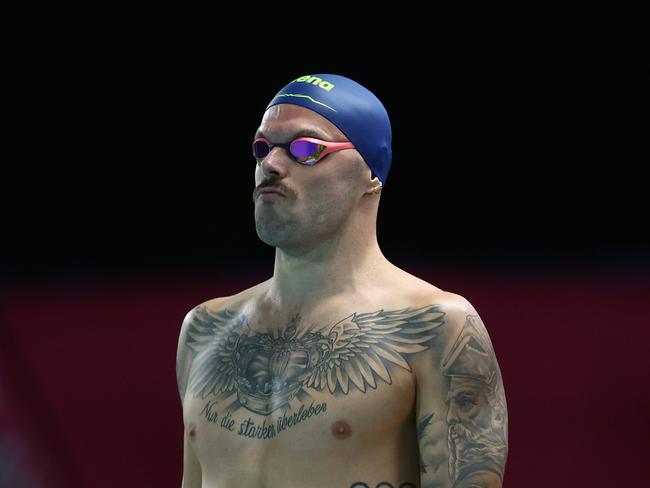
(303, 278)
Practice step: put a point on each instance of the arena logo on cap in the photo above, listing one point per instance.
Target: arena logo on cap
(315, 80)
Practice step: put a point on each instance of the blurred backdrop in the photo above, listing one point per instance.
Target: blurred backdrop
(520, 136)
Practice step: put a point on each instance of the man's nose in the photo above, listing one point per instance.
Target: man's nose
(276, 163)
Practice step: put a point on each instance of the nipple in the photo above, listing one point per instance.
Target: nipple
(341, 429)
(191, 432)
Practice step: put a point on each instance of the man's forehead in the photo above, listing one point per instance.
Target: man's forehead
(287, 120)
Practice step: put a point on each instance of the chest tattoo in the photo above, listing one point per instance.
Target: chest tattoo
(264, 372)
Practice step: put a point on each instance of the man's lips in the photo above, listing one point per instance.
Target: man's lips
(265, 191)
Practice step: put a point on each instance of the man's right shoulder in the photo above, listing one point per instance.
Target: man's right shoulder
(220, 304)
(202, 322)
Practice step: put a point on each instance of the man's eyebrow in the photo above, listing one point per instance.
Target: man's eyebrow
(300, 133)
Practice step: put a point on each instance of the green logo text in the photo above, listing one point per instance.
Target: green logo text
(314, 80)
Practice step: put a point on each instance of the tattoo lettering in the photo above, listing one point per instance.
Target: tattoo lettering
(267, 430)
(213, 416)
(477, 412)
(263, 372)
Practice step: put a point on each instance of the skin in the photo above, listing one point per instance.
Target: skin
(342, 369)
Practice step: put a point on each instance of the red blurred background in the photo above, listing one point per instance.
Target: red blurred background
(89, 396)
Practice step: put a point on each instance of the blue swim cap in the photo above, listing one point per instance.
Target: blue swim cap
(355, 110)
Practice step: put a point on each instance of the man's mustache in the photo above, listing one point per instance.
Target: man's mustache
(274, 185)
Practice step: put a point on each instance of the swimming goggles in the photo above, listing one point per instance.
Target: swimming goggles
(303, 150)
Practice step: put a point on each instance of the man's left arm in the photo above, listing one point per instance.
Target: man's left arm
(461, 412)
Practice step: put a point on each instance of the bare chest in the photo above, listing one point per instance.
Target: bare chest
(304, 420)
(259, 394)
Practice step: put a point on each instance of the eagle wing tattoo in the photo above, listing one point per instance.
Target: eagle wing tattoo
(260, 366)
(362, 345)
(214, 337)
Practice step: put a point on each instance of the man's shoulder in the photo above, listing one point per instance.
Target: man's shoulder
(222, 306)
(421, 293)
(206, 320)
(454, 309)
(460, 321)
(235, 301)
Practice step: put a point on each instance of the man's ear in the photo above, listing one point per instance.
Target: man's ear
(376, 185)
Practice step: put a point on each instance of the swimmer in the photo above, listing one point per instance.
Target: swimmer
(342, 370)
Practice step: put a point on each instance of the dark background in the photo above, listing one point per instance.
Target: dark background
(520, 132)
(519, 139)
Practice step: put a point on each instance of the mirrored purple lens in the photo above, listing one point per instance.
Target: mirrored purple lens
(306, 149)
(260, 149)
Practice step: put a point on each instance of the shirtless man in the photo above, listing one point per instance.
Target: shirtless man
(342, 370)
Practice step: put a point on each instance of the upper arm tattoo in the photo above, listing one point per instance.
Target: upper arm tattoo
(476, 420)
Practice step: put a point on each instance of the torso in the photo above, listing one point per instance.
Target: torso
(259, 410)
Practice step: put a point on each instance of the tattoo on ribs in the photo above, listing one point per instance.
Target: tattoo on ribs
(421, 431)
(382, 484)
(263, 372)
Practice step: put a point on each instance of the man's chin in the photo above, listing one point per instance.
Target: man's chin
(270, 238)
(269, 230)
